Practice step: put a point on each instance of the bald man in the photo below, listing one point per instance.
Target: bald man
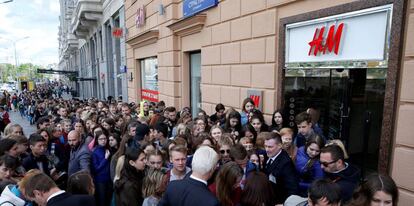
(80, 157)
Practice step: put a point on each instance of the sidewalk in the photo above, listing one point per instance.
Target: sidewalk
(15, 118)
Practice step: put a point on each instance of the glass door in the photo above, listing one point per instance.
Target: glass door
(195, 78)
(350, 102)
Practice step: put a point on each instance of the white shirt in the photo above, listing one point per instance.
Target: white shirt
(198, 179)
(274, 157)
(55, 194)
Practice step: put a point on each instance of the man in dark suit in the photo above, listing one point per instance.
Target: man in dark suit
(41, 189)
(279, 168)
(193, 190)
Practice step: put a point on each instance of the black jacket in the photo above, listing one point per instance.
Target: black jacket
(188, 192)
(30, 162)
(66, 199)
(348, 179)
(285, 175)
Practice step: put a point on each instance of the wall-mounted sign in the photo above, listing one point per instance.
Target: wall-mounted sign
(140, 18)
(354, 36)
(122, 69)
(192, 7)
(117, 32)
(257, 97)
(320, 45)
(149, 95)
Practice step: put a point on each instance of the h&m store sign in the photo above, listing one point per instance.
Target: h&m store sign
(354, 36)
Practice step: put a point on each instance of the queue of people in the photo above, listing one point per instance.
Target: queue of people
(95, 152)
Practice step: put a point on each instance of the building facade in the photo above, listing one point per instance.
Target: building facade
(92, 42)
(352, 60)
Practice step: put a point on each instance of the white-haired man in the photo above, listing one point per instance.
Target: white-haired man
(193, 190)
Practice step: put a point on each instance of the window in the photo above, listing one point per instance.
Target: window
(149, 79)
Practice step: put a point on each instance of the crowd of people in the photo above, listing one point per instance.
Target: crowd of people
(95, 152)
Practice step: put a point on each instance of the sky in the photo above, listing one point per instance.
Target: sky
(36, 19)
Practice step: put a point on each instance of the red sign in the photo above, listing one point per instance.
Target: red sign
(332, 41)
(149, 95)
(256, 100)
(117, 32)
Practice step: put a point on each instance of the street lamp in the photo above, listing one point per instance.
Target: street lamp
(15, 50)
(5, 2)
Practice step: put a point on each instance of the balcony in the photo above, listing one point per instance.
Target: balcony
(85, 16)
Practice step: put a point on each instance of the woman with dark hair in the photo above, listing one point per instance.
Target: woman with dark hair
(247, 107)
(277, 121)
(233, 124)
(128, 189)
(377, 190)
(9, 146)
(258, 123)
(249, 132)
(200, 125)
(227, 185)
(81, 183)
(307, 163)
(114, 140)
(101, 168)
(108, 124)
(257, 191)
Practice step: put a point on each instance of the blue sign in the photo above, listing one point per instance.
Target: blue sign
(192, 7)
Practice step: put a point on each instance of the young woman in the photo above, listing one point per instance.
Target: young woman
(81, 183)
(108, 124)
(257, 121)
(114, 140)
(9, 147)
(227, 185)
(200, 125)
(152, 187)
(307, 163)
(128, 189)
(258, 190)
(233, 124)
(101, 170)
(247, 107)
(377, 190)
(287, 142)
(7, 166)
(277, 121)
(215, 132)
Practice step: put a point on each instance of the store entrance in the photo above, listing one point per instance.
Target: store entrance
(350, 102)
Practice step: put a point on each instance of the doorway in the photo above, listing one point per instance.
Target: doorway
(350, 102)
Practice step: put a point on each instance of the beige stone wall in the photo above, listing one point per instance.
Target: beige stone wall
(238, 46)
(403, 151)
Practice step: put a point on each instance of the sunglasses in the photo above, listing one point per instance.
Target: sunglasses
(326, 164)
(225, 151)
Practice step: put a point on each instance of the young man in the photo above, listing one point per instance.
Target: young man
(345, 175)
(160, 133)
(322, 192)
(219, 117)
(280, 169)
(238, 154)
(37, 158)
(43, 190)
(305, 131)
(170, 113)
(178, 157)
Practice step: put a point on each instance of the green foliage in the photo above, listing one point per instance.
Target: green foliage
(27, 70)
